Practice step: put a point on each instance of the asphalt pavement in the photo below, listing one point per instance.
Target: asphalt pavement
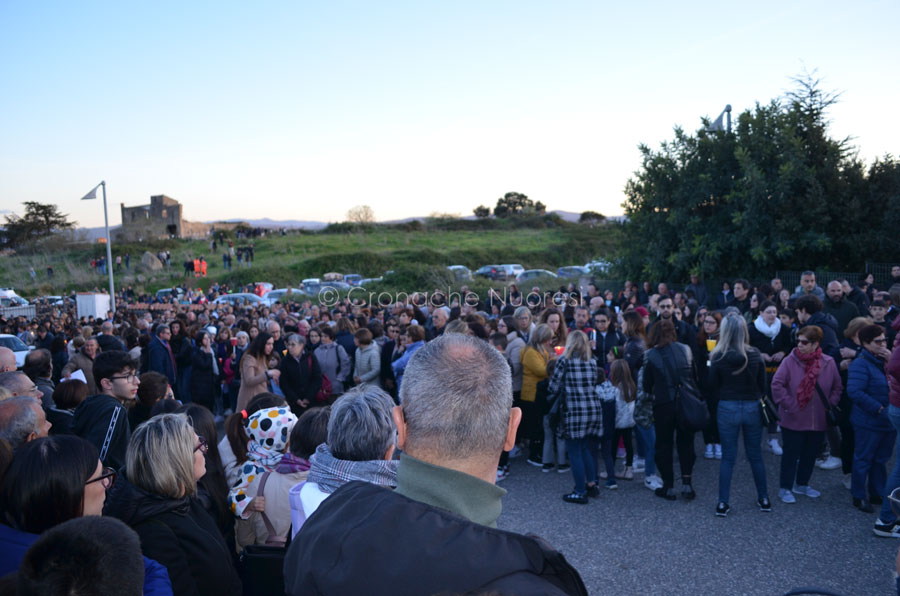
(629, 541)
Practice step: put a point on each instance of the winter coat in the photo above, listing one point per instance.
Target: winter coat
(829, 326)
(514, 347)
(534, 370)
(399, 365)
(335, 364)
(253, 380)
(14, 544)
(675, 357)
(893, 372)
(784, 393)
(368, 364)
(159, 360)
(867, 386)
(181, 535)
(300, 379)
(333, 553)
(100, 416)
(573, 381)
(204, 381)
(80, 361)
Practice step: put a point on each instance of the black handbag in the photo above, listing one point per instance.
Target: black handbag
(691, 413)
(262, 566)
(832, 413)
(767, 410)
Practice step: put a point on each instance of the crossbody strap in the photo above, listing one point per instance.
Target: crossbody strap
(109, 434)
(822, 397)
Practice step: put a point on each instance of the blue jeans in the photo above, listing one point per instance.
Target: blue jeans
(582, 463)
(646, 440)
(872, 451)
(734, 416)
(893, 481)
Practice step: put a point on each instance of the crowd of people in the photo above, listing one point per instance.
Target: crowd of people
(322, 408)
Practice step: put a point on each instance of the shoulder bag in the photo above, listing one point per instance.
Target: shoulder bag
(691, 413)
(832, 413)
(262, 566)
(325, 390)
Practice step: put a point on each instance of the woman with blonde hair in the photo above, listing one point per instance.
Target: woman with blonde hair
(156, 497)
(737, 375)
(572, 384)
(534, 358)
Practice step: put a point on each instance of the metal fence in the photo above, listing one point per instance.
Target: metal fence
(791, 279)
(882, 274)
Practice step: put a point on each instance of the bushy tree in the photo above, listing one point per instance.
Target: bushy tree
(778, 192)
(39, 221)
(515, 203)
(591, 217)
(482, 211)
(361, 214)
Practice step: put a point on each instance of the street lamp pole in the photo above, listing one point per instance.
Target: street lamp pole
(109, 263)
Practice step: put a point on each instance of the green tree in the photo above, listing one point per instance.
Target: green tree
(482, 211)
(39, 221)
(591, 217)
(515, 203)
(778, 192)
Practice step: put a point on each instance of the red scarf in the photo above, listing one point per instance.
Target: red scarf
(813, 364)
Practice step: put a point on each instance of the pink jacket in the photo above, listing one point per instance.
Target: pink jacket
(784, 393)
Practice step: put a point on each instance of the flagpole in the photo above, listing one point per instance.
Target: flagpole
(109, 264)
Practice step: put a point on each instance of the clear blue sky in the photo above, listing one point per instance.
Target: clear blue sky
(302, 110)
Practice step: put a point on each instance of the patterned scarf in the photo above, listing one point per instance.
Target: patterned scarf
(813, 364)
(290, 464)
(330, 473)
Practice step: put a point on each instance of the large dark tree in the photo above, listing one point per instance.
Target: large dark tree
(40, 220)
(777, 193)
(515, 203)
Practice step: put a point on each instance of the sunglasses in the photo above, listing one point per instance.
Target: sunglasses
(803, 341)
(107, 477)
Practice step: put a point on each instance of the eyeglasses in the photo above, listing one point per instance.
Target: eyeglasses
(709, 322)
(879, 340)
(203, 446)
(107, 477)
(128, 378)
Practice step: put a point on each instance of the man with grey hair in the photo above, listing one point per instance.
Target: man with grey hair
(439, 319)
(22, 419)
(436, 533)
(107, 340)
(274, 329)
(360, 446)
(19, 385)
(7, 359)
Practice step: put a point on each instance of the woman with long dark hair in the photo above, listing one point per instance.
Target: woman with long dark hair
(707, 339)
(667, 364)
(254, 366)
(204, 371)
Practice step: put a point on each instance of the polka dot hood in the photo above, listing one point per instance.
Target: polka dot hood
(268, 431)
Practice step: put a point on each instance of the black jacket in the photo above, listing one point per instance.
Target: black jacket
(658, 362)
(110, 342)
(780, 343)
(179, 534)
(829, 326)
(204, 382)
(363, 538)
(747, 385)
(94, 418)
(300, 380)
(606, 343)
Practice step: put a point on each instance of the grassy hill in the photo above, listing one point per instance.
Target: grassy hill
(417, 251)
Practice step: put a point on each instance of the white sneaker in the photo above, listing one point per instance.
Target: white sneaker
(829, 463)
(639, 464)
(774, 447)
(786, 496)
(807, 490)
(846, 481)
(653, 482)
(718, 447)
(710, 452)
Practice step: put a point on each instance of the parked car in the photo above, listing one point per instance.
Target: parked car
(50, 300)
(598, 267)
(492, 272)
(369, 280)
(8, 297)
(238, 299)
(283, 295)
(572, 271)
(534, 274)
(17, 346)
(166, 293)
(333, 276)
(353, 279)
(512, 270)
(460, 272)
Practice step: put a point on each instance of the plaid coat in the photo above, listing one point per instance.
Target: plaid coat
(573, 381)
